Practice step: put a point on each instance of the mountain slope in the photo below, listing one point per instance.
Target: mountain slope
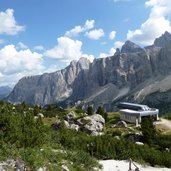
(132, 73)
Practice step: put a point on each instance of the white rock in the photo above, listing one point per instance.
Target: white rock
(41, 115)
(42, 169)
(74, 127)
(139, 143)
(64, 168)
(66, 124)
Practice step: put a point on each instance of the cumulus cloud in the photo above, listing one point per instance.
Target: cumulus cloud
(21, 45)
(89, 57)
(66, 49)
(8, 24)
(110, 53)
(89, 24)
(39, 47)
(18, 63)
(155, 25)
(95, 34)
(112, 35)
(117, 44)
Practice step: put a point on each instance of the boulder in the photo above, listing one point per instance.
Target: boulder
(18, 165)
(74, 127)
(42, 169)
(71, 126)
(96, 133)
(40, 115)
(66, 123)
(139, 143)
(92, 124)
(121, 124)
(70, 117)
(64, 168)
(56, 125)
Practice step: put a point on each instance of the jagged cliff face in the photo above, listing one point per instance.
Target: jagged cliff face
(48, 88)
(132, 72)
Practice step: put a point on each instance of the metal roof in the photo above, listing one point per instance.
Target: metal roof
(140, 113)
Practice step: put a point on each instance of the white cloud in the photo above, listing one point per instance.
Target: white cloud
(118, 44)
(39, 47)
(155, 25)
(110, 53)
(89, 57)
(18, 63)
(66, 49)
(8, 23)
(112, 35)
(51, 68)
(89, 24)
(95, 34)
(21, 45)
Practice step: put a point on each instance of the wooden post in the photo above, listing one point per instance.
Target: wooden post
(130, 165)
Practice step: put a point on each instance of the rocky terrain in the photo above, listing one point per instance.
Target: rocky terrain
(91, 124)
(132, 74)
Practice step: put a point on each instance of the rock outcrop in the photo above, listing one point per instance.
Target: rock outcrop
(92, 125)
(48, 88)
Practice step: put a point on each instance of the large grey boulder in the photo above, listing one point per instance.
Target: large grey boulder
(92, 124)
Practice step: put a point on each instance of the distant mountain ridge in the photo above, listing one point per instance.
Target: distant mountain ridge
(132, 74)
(4, 91)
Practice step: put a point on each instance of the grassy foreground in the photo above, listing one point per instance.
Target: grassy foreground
(22, 136)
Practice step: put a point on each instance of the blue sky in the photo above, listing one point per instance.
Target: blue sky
(44, 36)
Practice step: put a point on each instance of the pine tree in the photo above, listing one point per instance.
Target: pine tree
(148, 130)
(101, 111)
(90, 110)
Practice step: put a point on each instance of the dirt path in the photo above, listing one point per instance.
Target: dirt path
(164, 125)
(166, 122)
(116, 165)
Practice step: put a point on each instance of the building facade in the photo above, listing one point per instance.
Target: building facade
(133, 113)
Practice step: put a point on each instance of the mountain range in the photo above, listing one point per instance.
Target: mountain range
(133, 73)
(4, 91)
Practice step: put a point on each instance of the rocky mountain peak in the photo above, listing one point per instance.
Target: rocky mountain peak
(130, 47)
(83, 63)
(163, 40)
(117, 52)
